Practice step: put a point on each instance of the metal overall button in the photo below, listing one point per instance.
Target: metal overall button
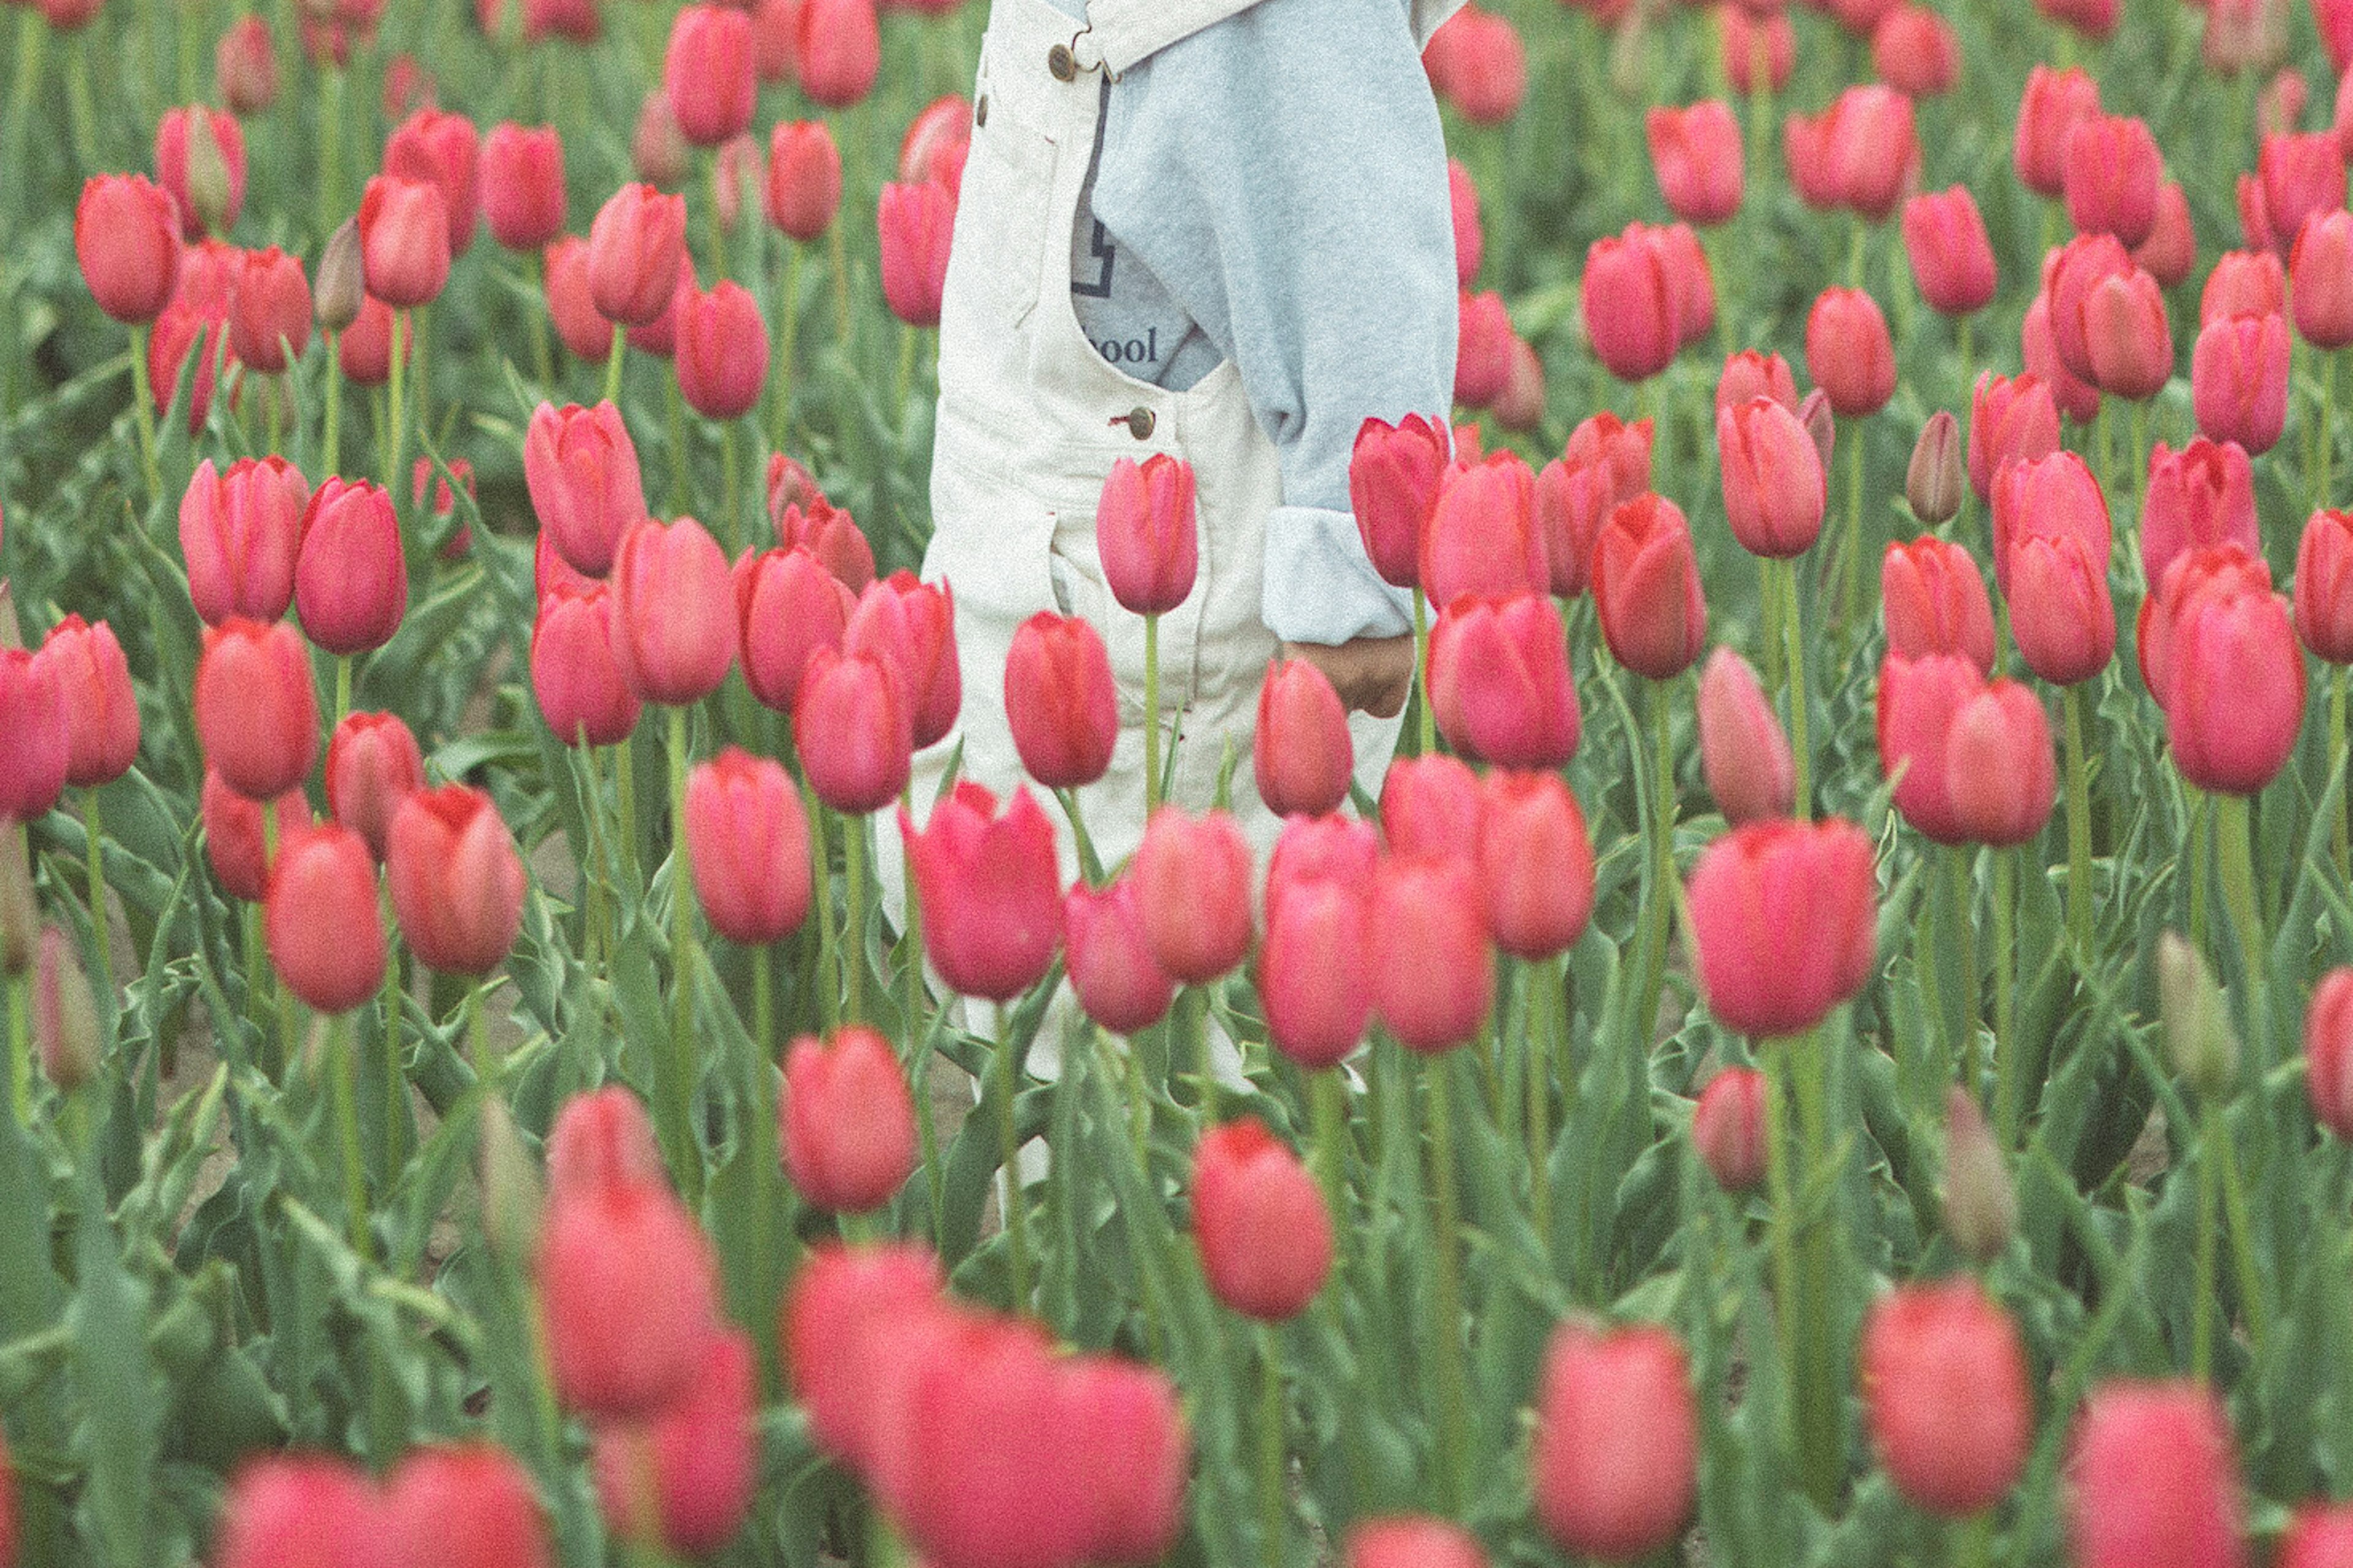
(1139, 423)
(1063, 64)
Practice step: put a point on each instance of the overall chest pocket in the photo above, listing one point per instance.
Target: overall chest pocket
(1001, 248)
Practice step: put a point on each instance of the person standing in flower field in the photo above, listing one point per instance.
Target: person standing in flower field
(1220, 230)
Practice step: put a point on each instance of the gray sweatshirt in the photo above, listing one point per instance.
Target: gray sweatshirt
(1273, 191)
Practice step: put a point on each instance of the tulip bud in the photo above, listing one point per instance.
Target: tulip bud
(319, 915)
(915, 223)
(101, 712)
(1743, 755)
(1696, 153)
(2055, 496)
(837, 50)
(635, 247)
(1535, 860)
(1945, 1387)
(848, 1120)
(20, 917)
(1394, 473)
(1980, 1206)
(2238, 381)
(1615, 1461)
(2151, 1479)
(246, 65)
(405, 240)
(1193, 879)
(2320, 268)
(240, 533)
(1773, 978)
(1413, 1542)
(707, 73)
(1773, 491)
(65, 1014)
(1952, 257)
(1932, 483)
(1646, 585)
(1146, 534)
(855, 732)
(1259, 1220)
(298, 1509)
(1478, 61)
(1315, 969)
(1433, 968)
(443, 150)
(789, 607)
(200, 159)
(2199, 1036)
(455, 878)
(351, 581)
(602, 1139)
(991, 890)
(803, 189)
(523, 186)
(466, 1505)
(1519, 407)
(1500, 682)
(2060, 609)
(748, 845)
(372, 765)
(256, 716)
(571, 301)
(127, 240)
(1302, 752)
(626, 1299)
(1728, 1128)
(337, 291)
(1119, 982)
(722, 346)
(1849, 352)
(672, 636)
(582, 471)
(1915, 51)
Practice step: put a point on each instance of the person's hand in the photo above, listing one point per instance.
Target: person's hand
(1373, 673)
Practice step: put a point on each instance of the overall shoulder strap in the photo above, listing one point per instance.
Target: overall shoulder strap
(1429, 15)
(1122, 33)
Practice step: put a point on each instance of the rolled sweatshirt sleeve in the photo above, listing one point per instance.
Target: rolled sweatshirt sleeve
(1283, 174)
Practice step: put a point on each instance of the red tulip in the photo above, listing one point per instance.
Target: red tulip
(1433, 969)
(363, 349)
(2060, 610)
(1393, 472)
(707, 73)
(2113, 170)
(244, 64)
(466, 1505)
(256, 716)
(1743, 755)
(101, 712)
(1696, 153)
(234, 838)
(1146, 535)
(1119, 982)
(722, 346)
(602, 1139)
(626, 1299)
(36, 736)
(1849, 352)
(659, 337)
(2320, 267)
(351, 583)
(2001, 781)
(672, 636)
(2196, 498)
(445, 151)
(685, 1479)
(1482, 537)
(2238, 381)
(1535, 860)
(914, 622)
(2170, 251)
(1774, 493)
(172, 132)
(523, 185)
(2324, 586)
(1260, 1222)
(2009, 421)
(1193, 879)
(1060, 702)
(1952, 258)
(320, 913)
(127, 239)
(837, 50)
(2320, 1537)
(848, 1120)
(1615, 1464)
(1646, 585)
(2233, 680)
(1728, 1128)
(1315, 969)
(181, 334)
(1500, 683)
(572, 303)
(2329, 1052)
(1429, 806)
(1470, 243)
(581, 690)
(789, 606)
(916, 223)
(1482, 359)
(1607, 463)
(938, 142)
(991, 890)
(372, 765)
(2127, 336)
(303, 1508)
(2151, 1479)
(1477, 61)
(2076, 398)
(1858, 153)
(1634, 304)
(455, 878)
(1933, 600)
(1784, 915)
(1413, 1542)
(1918, 701)
(1757, 47)
(2070, 275)
(1915, 51)
(1300, 753)
(2301, 177)
(829, 532)
(2191, 575)
(748, 847)
(636, 248)
(846, 1324)
(2243, 283)
(1944, 1386)
(405, 240)
(854, 730)
(803, 189)
(2054, 496)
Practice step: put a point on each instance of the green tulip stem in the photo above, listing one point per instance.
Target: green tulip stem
(763, 1003)
(343, 689)
(1428, 718)
(1801, 744)
(2326, 433)
(2007, 1088)
(1851, 603)
(333, 441)
(1015, 1204)
(1657, 900)
(143, 411)
(1962, 886)
(396, 1076)
(20, 1049)
(101, 939)
(1328, 1093)
(2235, 861)
(780, 385)
(624, 786)
(678, 1094)
(2210, 1195)
(613, 361)
(2341, 843)
(2079, 826)
(1805, 1258)
(853, 928)
(1273, 1455)
(344, 1056)
(1151, 713)
(395, 431)
(1445, 1251)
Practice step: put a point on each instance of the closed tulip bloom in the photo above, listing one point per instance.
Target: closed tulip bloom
(1119, 982)
(2000, 774)
(1193, 878)
(403, 240)
(1727, 1128)
(240, 534)
(1060, 702)
(915, 623)
(916, 223)
(127, 239)
(102, 710)
(2151, 1479)
(1935, 601)
(578, 684)
(848, 1120)
(223, 203)
(1696, 153)
(303, 1508)
(1632, 302)
(372, 765)
(1774, 493)
(1394, 473)
(991, 890)
(603, 1139)
(570, 303)
(244, 64)
(2078, 399)
(2301, 175)
(1470, 239)
(269, 313)
(36, 737)
(1429, 806)
(256, 716)
(1754, 373)
(1744, 754)
(1146, 534)
(1315, 968)
(748, 845)
(1258, 1220)
(1483, 537)
(1757, 50)
(2329, 1052)
(363, 349)
(672, 636)
(1300, 753)
(325, 939)
(683, 1481)
(937, 141)
(1408, 1542)
(1478, 62)
(829, 532)
(2320, 1537)
(2054, 496)
(1951, 256)
(1607, 463)
(1918, 701)
(1945, 1389)
(1646, 585)
(2321, 269)
(2238, 381)
(2235, 687)
(2243, 283)
(1849, 352)
(2224, 568)
(1433, 968)
(1535, 860)
(466, 1505)
(2170, 252)
(455, 878)
(2060, 610)
(1615, 1463)
(855, 734)
(723, 348)
(1500, 682)
(2070, 275)
(1915, 51)
(1934, 476)
(1482, 359)
(837, 50)
(2324, 586)
(234, 838)
(442, 150)
(846, 1323)
(2129, 336)
(2113, 170)
(351, 581)
(581, 470)
(707, 73)
(635, 247)
(1784, 916)
(183, 333)
(2196, 498)
(523, 185)
(1870, 144)
(802, 188)
(627, 1299)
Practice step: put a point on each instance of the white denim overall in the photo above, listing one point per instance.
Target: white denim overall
(1031, 419)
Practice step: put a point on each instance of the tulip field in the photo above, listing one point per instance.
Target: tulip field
(536, 1037)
